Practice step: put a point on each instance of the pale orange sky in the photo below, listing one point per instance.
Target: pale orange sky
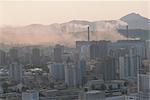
(48, 12)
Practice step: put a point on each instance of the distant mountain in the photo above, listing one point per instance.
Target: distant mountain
(139, 26)
(64, 33)
(136, 21)
(69, 32)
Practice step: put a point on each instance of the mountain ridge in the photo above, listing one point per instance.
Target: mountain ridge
(136, 21)
(70, 31)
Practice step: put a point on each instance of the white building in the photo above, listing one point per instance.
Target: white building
(92, 95)
(148, 49)
(128, 66)
(15, 71)
(128, 97)
(72, 76)
(57, 71)
(144, 86)
(30, 95)
(1, 89)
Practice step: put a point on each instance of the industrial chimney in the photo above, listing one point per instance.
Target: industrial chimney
(88, 33)
(127, 32)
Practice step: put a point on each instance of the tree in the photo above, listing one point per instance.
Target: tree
(103, 87)
(110, 87)
(119, 86)
(126, 84)
(52, 85)
(85, 89)
(5, 86)
(24, 88)
(93, 87)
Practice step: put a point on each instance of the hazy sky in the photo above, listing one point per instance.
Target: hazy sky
(47, 12)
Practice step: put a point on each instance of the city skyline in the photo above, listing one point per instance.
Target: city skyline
(74, 50)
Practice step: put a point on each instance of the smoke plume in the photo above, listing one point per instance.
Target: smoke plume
(65, 34)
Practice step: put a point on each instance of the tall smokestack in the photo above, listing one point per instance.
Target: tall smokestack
(88, 33)
(127, 31)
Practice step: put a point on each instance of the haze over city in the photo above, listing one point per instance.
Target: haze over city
(74, 50)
